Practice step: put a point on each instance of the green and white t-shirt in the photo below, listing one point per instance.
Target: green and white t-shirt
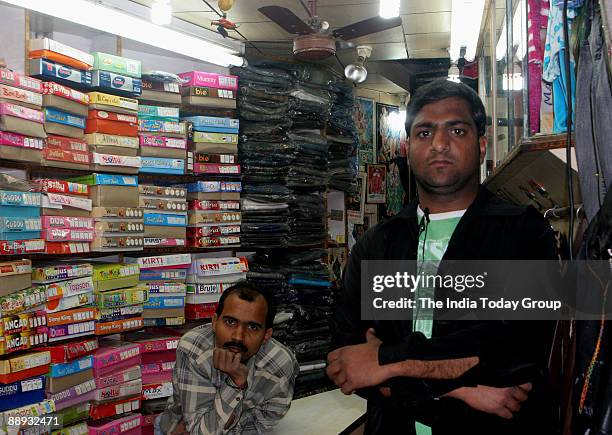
(433, 241)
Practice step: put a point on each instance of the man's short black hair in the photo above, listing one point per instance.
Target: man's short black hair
(441, 89)
(249, 292)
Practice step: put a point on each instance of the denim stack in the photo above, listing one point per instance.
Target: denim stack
(301, 285)
(342, 139)
(265, 155)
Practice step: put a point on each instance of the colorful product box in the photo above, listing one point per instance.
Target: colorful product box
(63, 222)
(22, 341)
(21, 112)
(49, 45)
(165, 87)
(20, 96)
(197, 289)
(148, 125)
(114, 160)
(162, 142)
(22, 300)
(123, 213)
(66, 143)
(55, 72)
(219, 266)
(74, 395)
(20, 247)
(200, 78)
(149, 203)
(207, 92)
(222, 138)
(159, 165)
(22, 393)
(73, 157)
(63, 187)
(69, 303)
(214, 217)
(213, 242)
(58, 117)
(156, 391)
(70, 368)
(64, 235)
(163, 275)
(121, 129)
(114, 140)
(113, 100)
(68, 332)
(165, 287)
(64, 248)
(34, 410)
(212, 168)
(158, 113)
(115, 356)
(117, 64)
(127, 425)
(18, 140)
(162, 191)
(163, 241)
(226, 159)
(22, 322)
(14, 79)
(121, 298)
(19, 225)
(60, 272)
(165, 220)
(213, 124)
(71, 316)
(64, 289)
(112, 82)
(65, 352)
(15, 275)
(51, 88)
(109, 228)
(213, 206)
(115, 392)
(214, 186)
(21, 199)
(165, 301)
(120, 376)
(172, 261)
(110, 314)
(166, 321)
(55, 201)
(120, 407)
(107, 180)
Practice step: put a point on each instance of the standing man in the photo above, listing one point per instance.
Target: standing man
(230, 376)
(438, 377)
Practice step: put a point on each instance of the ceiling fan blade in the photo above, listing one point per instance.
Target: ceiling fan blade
(286, 19)
(366, 27)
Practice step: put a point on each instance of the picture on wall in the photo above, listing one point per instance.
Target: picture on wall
(395, 190)
(356, 202)
(388, 129)
(377, 184)
(364, 121)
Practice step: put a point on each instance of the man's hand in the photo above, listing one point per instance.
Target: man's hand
(230, 362)
(355, 367)
(503, 402)
(180, 429)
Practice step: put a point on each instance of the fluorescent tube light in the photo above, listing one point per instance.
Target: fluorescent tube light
(389, 8)
(161, 12)
(121, 24)
(466, 17)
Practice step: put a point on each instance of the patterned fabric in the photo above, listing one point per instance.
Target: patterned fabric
(206, 399)
(537, 14)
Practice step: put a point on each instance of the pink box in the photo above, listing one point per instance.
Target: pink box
(63, 222)
(22, 112)
(14, 79)
(120, 377)
(127, 425)
(19, 140)
(111, 358)
(67, 235)
(78, 394)
(211, 80)
(156, 377)
(147, 140)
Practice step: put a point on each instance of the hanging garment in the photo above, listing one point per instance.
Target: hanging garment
(537, 22)
(593, 126)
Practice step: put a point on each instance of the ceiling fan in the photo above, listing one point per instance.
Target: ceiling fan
(315, 39)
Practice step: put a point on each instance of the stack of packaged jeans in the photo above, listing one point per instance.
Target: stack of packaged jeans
(343, 140)
(265, 155)
(301, 285)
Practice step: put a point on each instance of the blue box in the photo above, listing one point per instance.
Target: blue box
(108, 81)
(70, 368)
(59, 117)
(24, 235)
(163, 275)
(20, 199)
(213, 124)
(107, 180)
(158, 113)
(60, 73)
(22, 393)
(19, 212)
(165, 220)
(165, 302)
(19, 225)
(159, 165)
(214, 186)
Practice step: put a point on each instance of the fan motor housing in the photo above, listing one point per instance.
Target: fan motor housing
(314, 46)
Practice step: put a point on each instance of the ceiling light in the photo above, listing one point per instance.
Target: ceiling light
(356, 72)
(161, 12)
(466, 17)
(127, 26)
(454, 74)
(389, 8)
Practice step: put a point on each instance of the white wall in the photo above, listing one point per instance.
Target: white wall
(12, 28)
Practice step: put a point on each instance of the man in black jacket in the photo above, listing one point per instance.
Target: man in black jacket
(447, 377)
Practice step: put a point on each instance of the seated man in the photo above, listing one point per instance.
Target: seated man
(230, 376)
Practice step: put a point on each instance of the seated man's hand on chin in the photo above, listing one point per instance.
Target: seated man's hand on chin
(503, 402)
(230, 362)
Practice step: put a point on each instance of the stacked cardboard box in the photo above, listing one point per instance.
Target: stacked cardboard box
(66, 152)
(20, 225)
(65, 110)
(53, 61)
(214, 214)
(111, 133)
(163, 140)
(67, 227)
(206, 280)
(165, 305)
(158, 350)
(118, 384)
(159, 87)
(119, 298)
(118, 222)
(21, 118)
(203, 89)
(116, 75)
(165, 215)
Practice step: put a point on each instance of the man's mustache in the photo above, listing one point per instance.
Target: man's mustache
(235, 344)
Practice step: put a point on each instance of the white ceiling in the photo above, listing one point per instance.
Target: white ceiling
(425, 32)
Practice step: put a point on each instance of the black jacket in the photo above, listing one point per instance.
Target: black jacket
(510, 352)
